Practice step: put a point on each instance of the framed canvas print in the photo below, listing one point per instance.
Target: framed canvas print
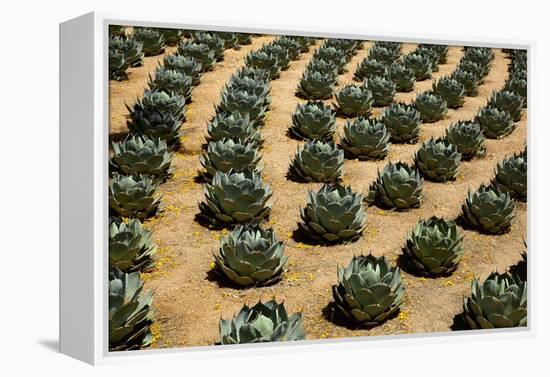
(231, 187)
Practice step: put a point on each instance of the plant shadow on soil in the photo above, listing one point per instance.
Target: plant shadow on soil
(333, 315)
(301, 236)
(216, 276)
(407, 266)
(459, 324)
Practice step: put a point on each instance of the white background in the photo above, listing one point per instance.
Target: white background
(29, 183)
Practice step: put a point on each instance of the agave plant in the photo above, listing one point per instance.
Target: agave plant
(438, 160)
(469, 80)
(369, 290)
(229, 154)
(430, 54)
(130, 246)
(156, 125)
(383, 54)
(333, 214)
(432, 107)
(264, 60)
(507, 101)
(495, 123)
(292, 47)
(518, 85)
(473, 68)
(171, 36)
(251, 255)
(393, 46)
(132, 49)
(243, 39)
(130, 312)
(133, 196)
(468, 138)
(480, 56)
(353, 100)
(213, 41)
(316, 85)
(257, 74)
(242, 101)
(159, 100)
(366, 139)
(499, 302)
(369, 68)
(264, 322)
(403, 123)
(403, 77)
(336, 55)
(313, 120)
(420, 64)
(235, 126)
(186, 65)
(169, 80)
(398, 186)
(451, 90)
(511, 176)
(252, 86)
(235, 198)
(118, 65)
(153, 42)
(383, 90)
(441, 50)
(281, 53)
(117, 30)
(489, 209)
(317, 161)
(434, 247)
(324, 66)
(230, 40)
(200, 51)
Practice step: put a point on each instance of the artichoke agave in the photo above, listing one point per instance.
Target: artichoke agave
(235, 198)
(438, 160)
(117, 30)
(313, 120)
(430, 54)
(469, 80)
(257, 74)
(473, 68)
(156, 124)
(489, 209)
(264, 60)
(133, 196)
(353, 100)
(420, 64)
(281, 53)
(383, 90)
(441, 50)
(499, 302)
(186, 65)
(508, 101)
(333, 214)
(130, 246)
(132, 49)
(451, 90)
(292, 47)
(200, 51)
(316, 85)
(495, 123)
(518, 85)
(171, 36)
(481, 56)
(432, 107)
(468, 138)
(511, 176)
(402, 76)
(235, 126)
(434, 246)
(264, 322)
(366, 139)
(336, 55)
(118, 65)
(397, 186)
(229, 154)
(317, 161)
(152, 40)
(213, 41)
(369, 290)
(251, 256)
(159, 100)
(169, 80)
(383, 54)
(323, 66)
(369, 68)
(402, 122)
(245, 103)
(257, 87)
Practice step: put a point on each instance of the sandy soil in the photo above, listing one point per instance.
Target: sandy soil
(189, 304)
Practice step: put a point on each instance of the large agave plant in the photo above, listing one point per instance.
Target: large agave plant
(438, 160)
(130, 246)
(420, 64)
(518, 85)
(131, 49)
(366, 139)
(184, 64)
(159, 100)
(235, 198)
(228, 154)
(440, 50)
(313, 120)
(473, 68)
(402, 76)
(369, 68)
(264, 60)
(156, 125)
(213, 41)
(251, 85)
(245, 103)
(508, 101)
(169, 80)
(469, 80)
(369, 290)
(402, 122)
(316, 85)
(383, 54)
(451, 90)
(283, 57)
(317, 161)
(235, 126)
(200, 51)
(468, 138)
(397, 186)
(324, 66)
(431, 107)
(133, 196)
(511, 176)
(333, 214)
(430, 54)
(141, 155)
(499, 302)
(257, 74)
(353, 100)
(118, 65)
(251, 256)
(481, 56)
(434, 246)
(495, 123)
(264, 322)
(489, 209)
(336, 55)
(292, 47)
(152, 41)
(383, 90)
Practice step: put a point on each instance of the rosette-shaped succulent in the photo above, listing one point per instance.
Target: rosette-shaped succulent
(235, 198)
(495, 123)
(118, 65)
(489, 209)
(229, 154)
(323, 66)
(292, 47)
(245, 103)
(403, 77)
(421, 65)
(481, 56)
(383, 54)
(264, 322)
(256, 74)
(438, 160)
(264, 60)
(316, 85)
(283, 57)
(398, 186)
(335, 55)
(117, 30)
(473, 68)
(130, 246)
(382, 89)
(432, 107)
(434, 246)
(518, 85)
(468, 138)
(130, 312)
(430, 54)
(450, 90)
(511, 176)
(152, 40)
(169, 80)
(333, 214)
(353, 100)
(185, 64)
(233, 126)
(132, 49)
(251, 85)
(200, 51)
(317, 161)
(159, 100)
(171, 36)
(441, 50)
(251, 255)
(510, 102)
(156, 124)
(212, 40)
(141, 155)
(369, 68)
(402, 122)
(469, 80)
(393, 46)
(243, 39)
(499, 302)
(366, 139)
(313, 120)
(133, 196)
(369, 290)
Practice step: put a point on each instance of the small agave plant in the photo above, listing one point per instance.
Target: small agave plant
(508, 101)
(421, 65)
(313, 120)
(171, 36)
(495, 123)
(403, 123)
(434, 247)
(432, 107)
(245, 103)
(230, 154)
(398, 186)
(156, 124)
(264, 322)
(184, 64)
(480, 56)
(169, 80)
(130, 48)
(511, 176)
(369, 68)
(200, 51)
(234, 126)
(353, 101)
(369, 290)
(473, 68)
(118, 65)
(382, 89)
(402, 76)
(489, 210)
(316, 85)
(450, 90)
(317, 161)
(213, 41)
(133, 196)
(334, 214)
(264, 60)
(323, 66)
(281, 53)
(235, 198)
(468, 138)
(469, 80)
(159, 100)
(518, 85)
(252, 86)
(499, 302)
(251, 256)
(131, 247)
(153, 42)
(366, 139)
(438, 160)
(383, 54)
